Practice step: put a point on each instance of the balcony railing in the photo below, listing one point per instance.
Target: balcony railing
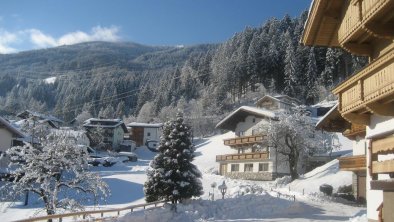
(244, 140)
(381, 147)
(352, 163)
(243, 156)
(358, 13)
(373, 83)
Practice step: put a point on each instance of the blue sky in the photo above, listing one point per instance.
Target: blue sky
(28, 24)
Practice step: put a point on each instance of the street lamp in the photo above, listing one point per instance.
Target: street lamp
(213, 185)
(223, 189)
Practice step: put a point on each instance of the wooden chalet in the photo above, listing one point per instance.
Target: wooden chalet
(252, 158)
(366, 99)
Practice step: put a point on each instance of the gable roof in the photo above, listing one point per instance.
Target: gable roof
(27, 113)
(145, 125)
(279, 99)
(333, 121)
(230, 122)
(322, 23)
(105, 123)
(11, 128)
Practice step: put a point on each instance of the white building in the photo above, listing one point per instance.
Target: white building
(142, 133)
(9, 136)
(252, 157)
(113, 130)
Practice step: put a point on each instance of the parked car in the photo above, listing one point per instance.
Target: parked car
(152, 145)
(106, 159)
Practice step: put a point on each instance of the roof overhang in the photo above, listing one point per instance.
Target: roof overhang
(11, 128)
(145, 125)
(239, 115)
(321, 27)
(333, 121)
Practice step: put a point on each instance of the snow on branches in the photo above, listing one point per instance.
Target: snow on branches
(294, 137)
(57, 171)
(172, 175)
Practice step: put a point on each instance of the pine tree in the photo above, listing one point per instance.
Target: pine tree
(291, 69)
(327, 76)
(172, 175)
(311, 89)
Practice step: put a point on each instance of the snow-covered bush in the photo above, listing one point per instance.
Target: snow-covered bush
(57, 171)
(282, 181)
(172, 175)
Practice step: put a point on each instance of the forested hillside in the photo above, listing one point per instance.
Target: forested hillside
(148, 83)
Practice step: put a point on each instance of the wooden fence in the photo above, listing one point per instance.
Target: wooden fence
(89, 215)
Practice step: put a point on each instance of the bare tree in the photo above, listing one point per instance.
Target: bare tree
(294, 136)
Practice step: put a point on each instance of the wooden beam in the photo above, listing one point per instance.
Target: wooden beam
(362, 119)
(383, 146)
(381, 30)
(386, 166)
(382, 185)
(359, 49)
(381, 109)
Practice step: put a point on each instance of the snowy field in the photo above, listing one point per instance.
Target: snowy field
(244, 201)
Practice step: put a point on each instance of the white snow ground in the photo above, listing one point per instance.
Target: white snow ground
(244, 201)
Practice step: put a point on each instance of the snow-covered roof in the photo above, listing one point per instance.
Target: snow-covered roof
(145, 125)
(105, 123)
(19, 124)
(326, 115)
(230, 121)
(279, 99)
(70, 132)
(11, 128)
(332, 121)
(326, 104)
(27, 113)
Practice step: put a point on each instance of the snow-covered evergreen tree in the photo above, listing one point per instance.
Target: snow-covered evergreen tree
(172, 175)
(311, 89)
(291, 69)
(57, 171)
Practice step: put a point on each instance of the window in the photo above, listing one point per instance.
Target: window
(254, 120)
(248, 167)
(234, 167)
(263, 167)
(241, 150)
(148, 134)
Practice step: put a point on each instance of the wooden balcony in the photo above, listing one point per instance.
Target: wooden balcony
(363, 21)
(352, 163)
(242, 157)
(382, 146)
(371, 90)
(244, 140)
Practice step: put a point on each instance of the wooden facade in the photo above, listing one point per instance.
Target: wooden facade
(380, 147)
(363, 27)
(242, 156)
(353, 163)
(243, 141)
